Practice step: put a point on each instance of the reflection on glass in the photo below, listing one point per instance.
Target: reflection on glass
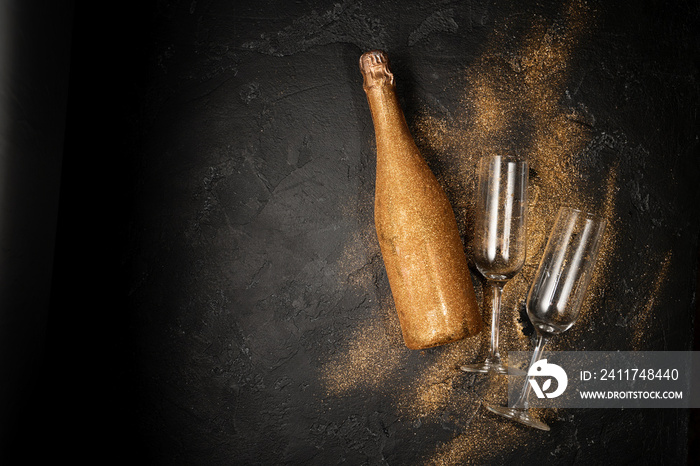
(557, 291)
(499, 243)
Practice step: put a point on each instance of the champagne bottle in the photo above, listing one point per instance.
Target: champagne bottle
(416, 227)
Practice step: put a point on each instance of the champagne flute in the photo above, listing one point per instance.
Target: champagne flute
(556, 294)
(498, 246)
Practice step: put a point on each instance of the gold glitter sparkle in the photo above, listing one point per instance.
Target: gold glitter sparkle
(644, 319)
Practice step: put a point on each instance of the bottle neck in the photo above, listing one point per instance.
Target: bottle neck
(390, 127)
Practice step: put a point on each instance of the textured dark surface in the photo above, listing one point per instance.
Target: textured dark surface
(219, 293)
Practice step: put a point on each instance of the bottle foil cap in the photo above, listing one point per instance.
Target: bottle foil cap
(374, 66)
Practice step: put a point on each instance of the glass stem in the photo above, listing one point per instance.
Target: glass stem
(496, 292)
(536, 355)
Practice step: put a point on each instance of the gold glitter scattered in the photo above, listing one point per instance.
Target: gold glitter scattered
(644, 319)
(371, 359)
(431, 389)
(356, 257)
(610, 199)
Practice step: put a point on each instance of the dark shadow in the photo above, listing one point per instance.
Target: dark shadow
(35, 43)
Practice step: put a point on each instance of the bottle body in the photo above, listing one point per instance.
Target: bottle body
(416, 228)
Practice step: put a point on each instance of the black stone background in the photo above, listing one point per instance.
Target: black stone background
(211, 148)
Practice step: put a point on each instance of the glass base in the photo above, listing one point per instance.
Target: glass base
(492, 366)
(486, 366)
(519, 415)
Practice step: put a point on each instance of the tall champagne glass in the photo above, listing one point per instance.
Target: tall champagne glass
(499, 242)
(556, 294)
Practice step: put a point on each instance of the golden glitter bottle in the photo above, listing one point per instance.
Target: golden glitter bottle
(420, 244)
